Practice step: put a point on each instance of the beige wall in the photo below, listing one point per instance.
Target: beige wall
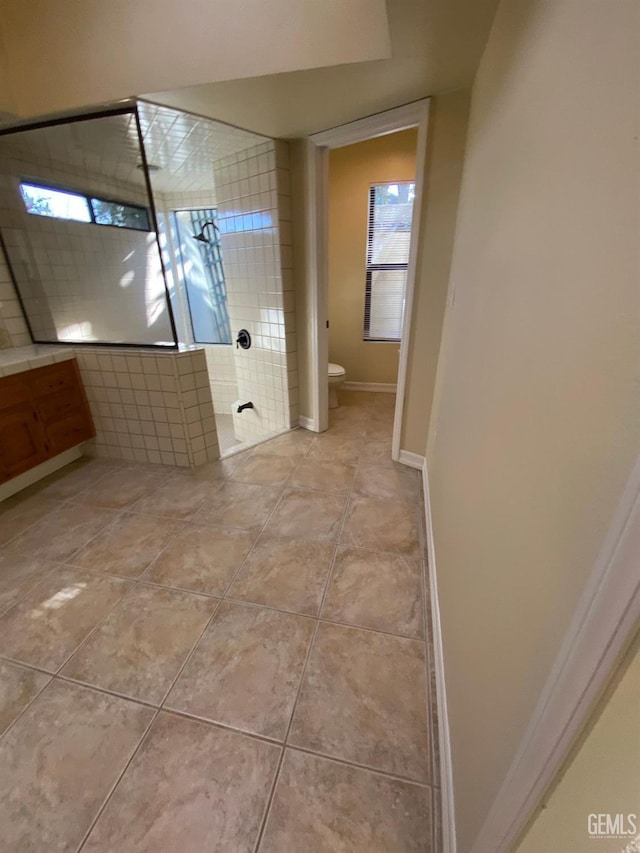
(298, 152)
(7, 104)
(92, 52)
(536, 418)
(352, 170)
(448, 117)
(603, 776)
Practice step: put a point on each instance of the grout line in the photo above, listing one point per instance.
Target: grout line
(30, 702)
(323, 619)
(133, 581)
(190, 654)
(267, 809)
(105, 802)
(216, 724)
(297, 460)
(365, 767)
(294, 704)
(272, 792)
(158, 708)
(107, 691)
(215, 611)
(306, 663)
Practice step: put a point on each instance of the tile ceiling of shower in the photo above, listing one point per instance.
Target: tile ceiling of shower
(184, 147)
(106, 146)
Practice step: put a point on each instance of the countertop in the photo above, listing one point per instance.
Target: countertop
(19, 359)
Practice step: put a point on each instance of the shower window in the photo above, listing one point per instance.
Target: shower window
(201, 274)
(68, 204)
(60, 204)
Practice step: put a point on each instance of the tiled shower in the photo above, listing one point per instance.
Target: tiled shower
(200, 165)
(197, 165)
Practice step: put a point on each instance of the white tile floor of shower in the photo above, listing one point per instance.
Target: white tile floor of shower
(227, 440)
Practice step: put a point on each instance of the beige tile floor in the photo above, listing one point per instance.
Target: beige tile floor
(232, 659)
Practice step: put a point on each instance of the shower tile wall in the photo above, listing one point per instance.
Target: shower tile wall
(203, 163)
(78, 263)
(13, 329)
(220, 357)
(150, 407)
(222, 377)
(258, 272)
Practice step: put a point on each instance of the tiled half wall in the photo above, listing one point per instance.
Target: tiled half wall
(150, 406)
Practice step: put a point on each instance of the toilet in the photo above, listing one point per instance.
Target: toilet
(336, 378)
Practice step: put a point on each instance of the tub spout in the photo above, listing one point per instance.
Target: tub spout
(244, 406)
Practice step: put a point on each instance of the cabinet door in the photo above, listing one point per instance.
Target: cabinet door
(68, 430)
(22, 443)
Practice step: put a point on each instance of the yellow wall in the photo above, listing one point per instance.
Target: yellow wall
(448, 117)
(352, 170)
(536, 419)
(602, 778)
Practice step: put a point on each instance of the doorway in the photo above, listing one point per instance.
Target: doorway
(413, 115)
(371, 195)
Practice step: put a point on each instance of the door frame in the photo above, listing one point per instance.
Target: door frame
(415, 114)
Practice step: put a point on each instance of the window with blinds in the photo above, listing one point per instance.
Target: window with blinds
(388, 242)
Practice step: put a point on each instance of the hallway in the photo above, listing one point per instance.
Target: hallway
(235, 658)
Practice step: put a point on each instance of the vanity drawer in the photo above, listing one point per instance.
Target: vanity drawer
(67, 431)
(22, 443)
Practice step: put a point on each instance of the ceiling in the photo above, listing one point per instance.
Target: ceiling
(436, 46)
(62, 54)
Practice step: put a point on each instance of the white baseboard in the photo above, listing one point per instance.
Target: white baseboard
(379, 387)
(412, 460)
(446, 774)
(307, 423)
(17, 484)
(598, 634)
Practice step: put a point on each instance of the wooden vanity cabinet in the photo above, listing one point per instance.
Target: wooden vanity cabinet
(43, 412)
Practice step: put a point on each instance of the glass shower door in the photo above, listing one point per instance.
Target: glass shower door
(193, 258)
(196, 243)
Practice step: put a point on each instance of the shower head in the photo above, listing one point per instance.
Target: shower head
(201, 237)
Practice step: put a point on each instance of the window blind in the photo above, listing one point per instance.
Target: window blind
(388, 243)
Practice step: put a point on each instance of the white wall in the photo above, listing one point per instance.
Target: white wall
(536, 420)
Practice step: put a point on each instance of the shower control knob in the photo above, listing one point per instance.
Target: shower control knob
(244, 339)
